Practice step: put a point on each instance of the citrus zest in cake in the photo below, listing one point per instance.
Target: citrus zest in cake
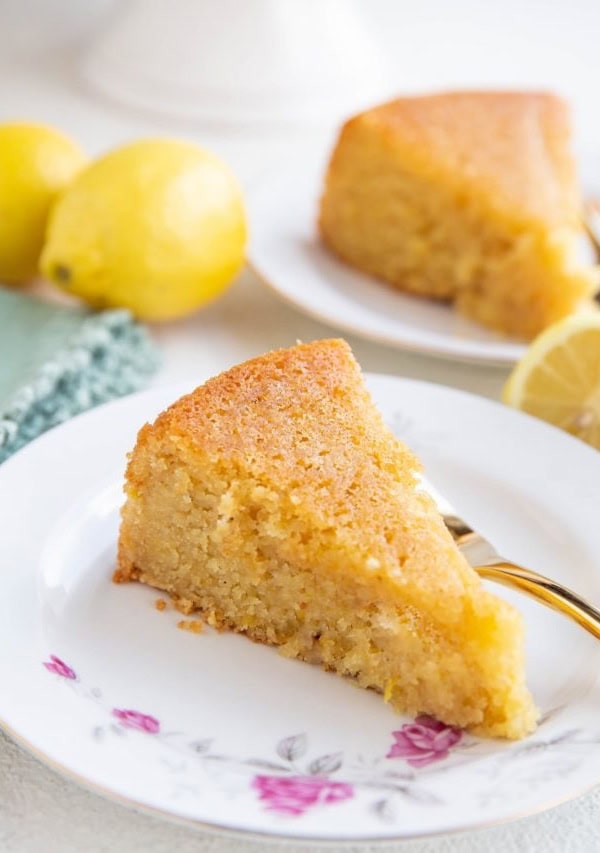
(276, 502)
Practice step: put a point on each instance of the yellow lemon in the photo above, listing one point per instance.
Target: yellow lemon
(558, 378)
(36, 163)
(157, 226)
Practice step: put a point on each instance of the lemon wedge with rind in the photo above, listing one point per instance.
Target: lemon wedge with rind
(558, 378)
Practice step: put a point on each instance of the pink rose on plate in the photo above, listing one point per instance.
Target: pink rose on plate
(424, 741)
(59, 667)
(137, 720)
(293, 795)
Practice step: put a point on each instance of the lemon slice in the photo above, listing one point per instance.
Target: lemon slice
(558, 378)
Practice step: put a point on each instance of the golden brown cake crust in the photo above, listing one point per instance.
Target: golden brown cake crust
(264, 409)
(511, 146)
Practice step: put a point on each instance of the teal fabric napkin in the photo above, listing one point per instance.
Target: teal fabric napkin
(56, 362)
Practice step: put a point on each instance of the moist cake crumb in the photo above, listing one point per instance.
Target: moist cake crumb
(357, 573)
(192, 625)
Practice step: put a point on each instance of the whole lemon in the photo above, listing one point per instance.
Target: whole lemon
(36, 163)
(157, 226)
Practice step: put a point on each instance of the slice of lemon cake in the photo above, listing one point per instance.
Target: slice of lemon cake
(465, 196)
(275, 501)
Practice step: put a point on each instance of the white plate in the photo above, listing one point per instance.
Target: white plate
(226, 733)
(286, 253)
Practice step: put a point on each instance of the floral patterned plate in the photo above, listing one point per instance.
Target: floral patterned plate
(226, 733)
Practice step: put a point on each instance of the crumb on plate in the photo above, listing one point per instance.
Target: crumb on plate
(192, 625)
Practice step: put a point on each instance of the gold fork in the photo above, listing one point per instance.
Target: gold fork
(488, 564)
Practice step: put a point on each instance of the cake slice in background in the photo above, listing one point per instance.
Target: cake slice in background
(274, 500)
(470, 197)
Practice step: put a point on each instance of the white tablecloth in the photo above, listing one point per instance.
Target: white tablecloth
(39, 811)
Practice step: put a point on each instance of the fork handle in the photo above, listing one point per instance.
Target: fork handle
(545, 590)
